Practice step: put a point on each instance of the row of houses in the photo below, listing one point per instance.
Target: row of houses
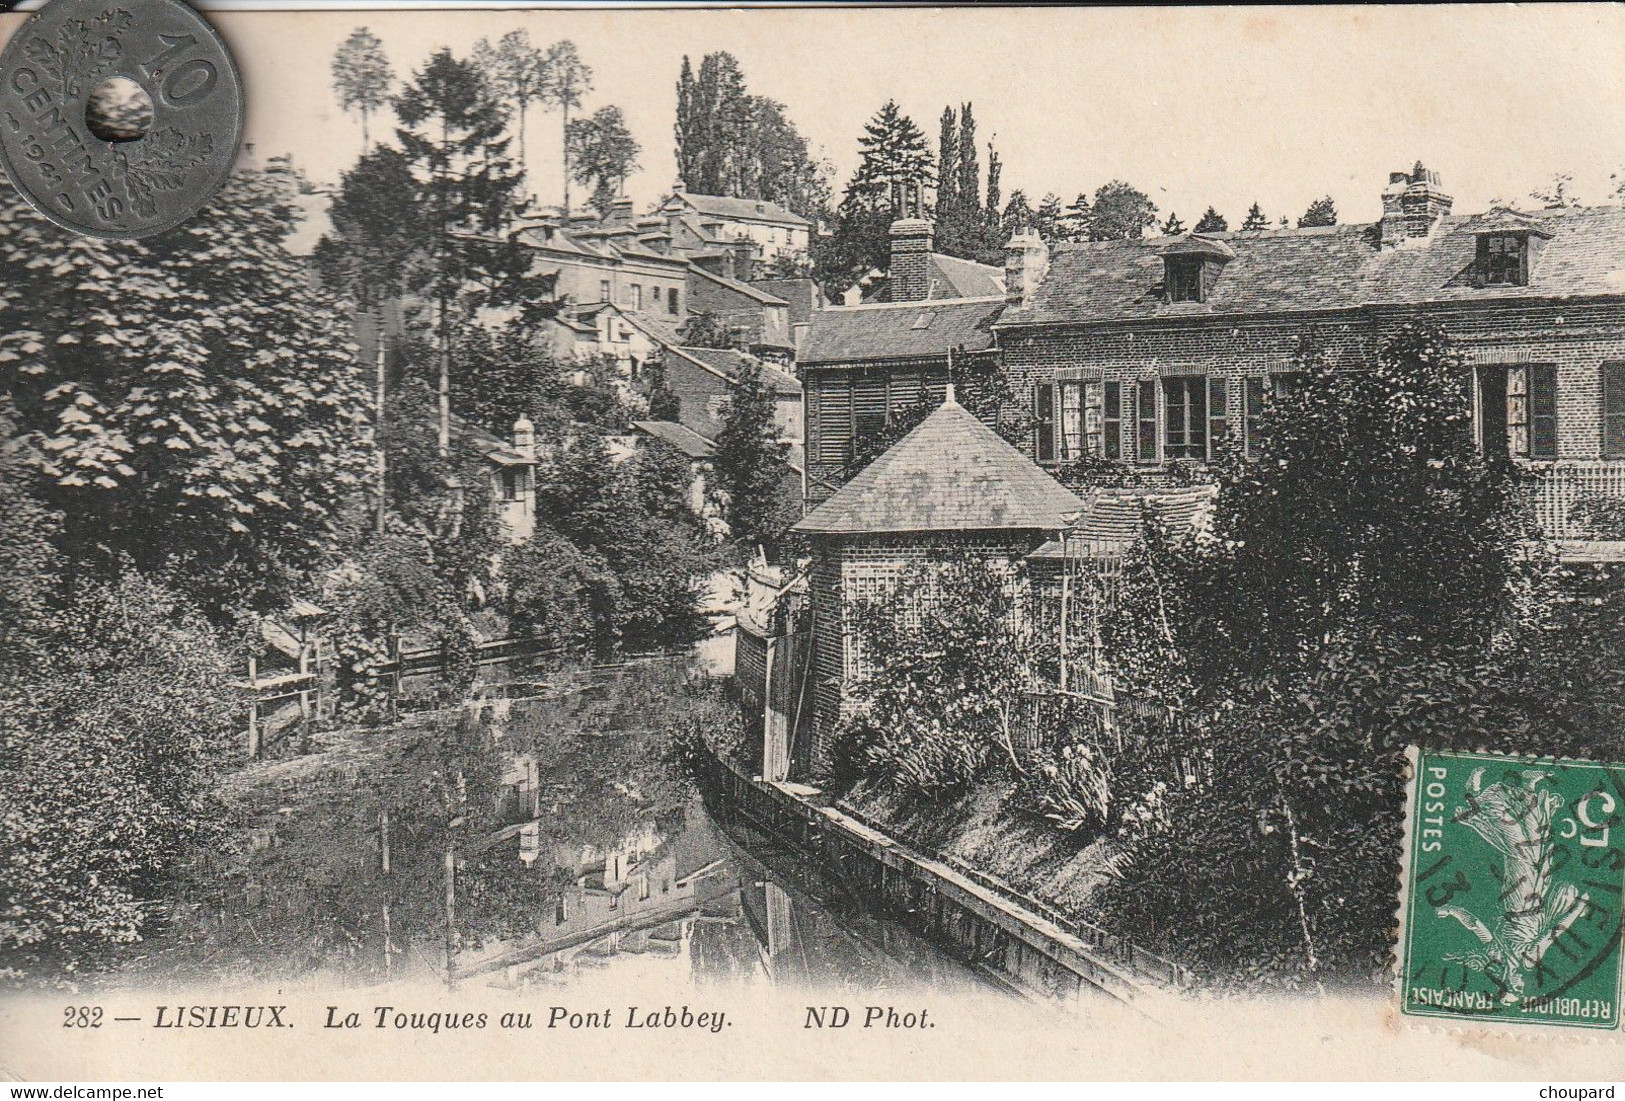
(1146, 354)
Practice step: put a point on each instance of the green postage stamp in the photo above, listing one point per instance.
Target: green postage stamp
(1510, 901)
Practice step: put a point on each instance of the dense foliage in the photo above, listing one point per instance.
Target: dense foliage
(191, 401)
(1364, 587)
(133, 690)
(750, 470)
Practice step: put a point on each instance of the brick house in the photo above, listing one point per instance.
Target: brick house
(863, 365)
(951, 485)
(1146, 352)
(717, 221)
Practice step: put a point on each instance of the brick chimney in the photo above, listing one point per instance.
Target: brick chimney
(910, 273)
(1026, 261)
(620, 212)
(1412, 204)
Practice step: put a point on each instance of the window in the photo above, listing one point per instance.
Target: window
(1184, 278)
(1613, 410)
(603, 291)
(671, 301)
(637, 297)
(510, 483)
(1184, 400)
(1542, 411)
(1503, 258)
(1515, 410)
(1146, 417)
(1044, 418)
(1112, 422)
(1071, 421)
(1283, 384)
(1252, 408)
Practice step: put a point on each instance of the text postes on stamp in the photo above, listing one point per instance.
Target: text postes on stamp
(50, 72)
(1512, 887)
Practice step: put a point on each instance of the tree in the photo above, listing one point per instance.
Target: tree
(1121, 212)
(362, 77)
(1173, 226)
(604, 153)
(1558, 193)
(1074, 225)
(223, 409)
(949, 209)
(1255, 220)
(1018, 216)
(1396, 583)
(896, 164)
(1047, 218)
(516, 69)
(749, 465)
(452, 137)
(995, 169)
(708, 330)
(30, 566)
(132, 700)
(566, 79)
(370, 256)
(1212, 222)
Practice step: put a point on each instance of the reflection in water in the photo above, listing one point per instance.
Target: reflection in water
(579, 845)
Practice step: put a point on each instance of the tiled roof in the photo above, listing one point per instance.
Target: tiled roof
(737, 287)
(801, 294)
(952, 473)
(1332, 267)
(850, 334)
(1110, 521)
(742, 210)
(679, 436)
(952, 277)
(727, 363)
(656, 329)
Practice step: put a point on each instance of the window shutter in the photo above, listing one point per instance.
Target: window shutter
(1146, 409)
(1543, 411)
(1218, 413)
(1044, 414)
(1252, 409)
(835, 420)
(869, 406)
(1613, 410)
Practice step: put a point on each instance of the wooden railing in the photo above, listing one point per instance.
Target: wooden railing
(1559, 495)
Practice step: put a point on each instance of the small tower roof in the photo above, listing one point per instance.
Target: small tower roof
(952, 473)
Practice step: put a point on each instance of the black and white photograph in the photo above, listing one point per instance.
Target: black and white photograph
(811, 543)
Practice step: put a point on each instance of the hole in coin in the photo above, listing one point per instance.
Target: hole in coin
(119, 110)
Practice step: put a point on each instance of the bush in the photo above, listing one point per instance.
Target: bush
(110, 746)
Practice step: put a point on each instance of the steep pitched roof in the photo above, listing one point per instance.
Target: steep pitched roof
(952, 277)
(679, 436)
(952, 473)
(746, 289)
(741, 210)
(1330, 267)
(727, 363)
(906, 330)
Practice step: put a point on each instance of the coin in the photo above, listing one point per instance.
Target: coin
(183, 95)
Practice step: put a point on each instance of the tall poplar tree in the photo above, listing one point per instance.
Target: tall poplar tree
(362, 77)
(516, 69)
(452, 137)
(566, 80)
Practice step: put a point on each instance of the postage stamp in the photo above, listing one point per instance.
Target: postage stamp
(1510, 899)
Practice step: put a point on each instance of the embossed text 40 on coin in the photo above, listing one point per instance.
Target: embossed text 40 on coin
(184, 99)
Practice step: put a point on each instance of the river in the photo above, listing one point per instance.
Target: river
(581, 851)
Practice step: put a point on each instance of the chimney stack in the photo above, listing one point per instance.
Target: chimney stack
(620, 212)
(1026, 261)
(910, 274)
(524, 437)
(1412, 204)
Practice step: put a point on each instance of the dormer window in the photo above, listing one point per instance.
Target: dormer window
(1504, 259)
(1184, 279)
(1191, 267)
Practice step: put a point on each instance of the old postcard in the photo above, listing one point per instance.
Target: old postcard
(812, 543)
